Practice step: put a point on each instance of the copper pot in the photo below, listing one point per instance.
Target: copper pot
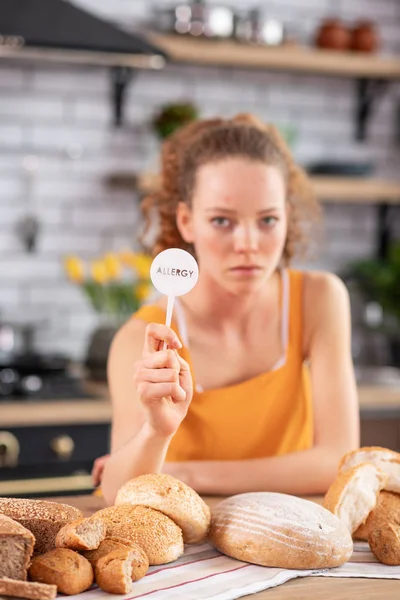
(333, 35)
(364, 37)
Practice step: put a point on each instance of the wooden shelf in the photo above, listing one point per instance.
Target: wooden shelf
(351, 189)
(334, 189)
(288, 58)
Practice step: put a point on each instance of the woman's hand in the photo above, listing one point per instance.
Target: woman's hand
(163, 381)
(98, 468)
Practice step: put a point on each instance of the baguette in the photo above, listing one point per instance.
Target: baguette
(387, 510)
(386, 460)
(384, 542)
(354, 494)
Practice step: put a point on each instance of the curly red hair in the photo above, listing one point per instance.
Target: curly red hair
(209, 140)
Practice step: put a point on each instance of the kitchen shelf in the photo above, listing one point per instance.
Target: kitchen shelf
(335, 189)
(289, 58)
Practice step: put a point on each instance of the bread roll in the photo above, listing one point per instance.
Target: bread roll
(83, 534)
(140, 562)
(384, 542)
(386, 460)
(387, 510)
(26, 589)
(113, 571)
(278, 530)
(153, 531)
(16, 549)
(354, 494)
(173, 498)
(44, 519)
(68, 570)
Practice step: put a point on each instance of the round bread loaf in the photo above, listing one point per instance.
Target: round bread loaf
(68, 570)
(83, 534)
(173, 498)
(157, 534)
(386, 460)
(140, 562)
(279, 530)
(113, 571)
(44, 519)
(354, 494)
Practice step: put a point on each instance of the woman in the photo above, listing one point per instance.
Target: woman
(256, 390)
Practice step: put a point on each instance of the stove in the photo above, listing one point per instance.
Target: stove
(33, 377)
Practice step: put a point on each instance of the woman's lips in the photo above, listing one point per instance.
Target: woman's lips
(246, 270)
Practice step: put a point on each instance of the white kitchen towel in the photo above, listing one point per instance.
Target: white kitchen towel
(202, 573)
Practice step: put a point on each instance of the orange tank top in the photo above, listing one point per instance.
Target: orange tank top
(268, 415)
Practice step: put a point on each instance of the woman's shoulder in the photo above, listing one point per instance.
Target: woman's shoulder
(322, 287)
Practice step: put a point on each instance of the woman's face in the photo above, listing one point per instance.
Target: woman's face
(238, 221)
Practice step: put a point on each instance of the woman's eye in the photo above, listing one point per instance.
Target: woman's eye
(269, 221)
(221, 222)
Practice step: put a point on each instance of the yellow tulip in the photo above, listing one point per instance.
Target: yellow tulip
(141, 263)
(99, 271)
(142, 290)
(112, 265)
(74, 268)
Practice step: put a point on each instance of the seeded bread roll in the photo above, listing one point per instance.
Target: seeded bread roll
(44, 519)
(279, 530)
(113, 571)
(173, 498)
(386, 460)
(16, 548)
(68, 570)
(83, 534)
(387, 510)
(384, 542)
(153, 531)
(354, 494)
(9, 588)
(140, 562)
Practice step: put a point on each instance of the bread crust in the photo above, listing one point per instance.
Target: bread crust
(172, 497)
(154, 532)
(27, 589)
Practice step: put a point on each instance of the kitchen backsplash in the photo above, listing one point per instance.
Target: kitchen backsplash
(62, 115)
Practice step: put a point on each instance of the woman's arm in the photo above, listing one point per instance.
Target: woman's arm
(336, 416)
(149, 401)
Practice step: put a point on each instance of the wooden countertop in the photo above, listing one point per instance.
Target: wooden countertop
(375, 402)
(317, 588)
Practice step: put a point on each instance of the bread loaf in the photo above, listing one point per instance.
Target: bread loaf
(44, 519)
(279, 530)
(140, 562)
(153, 531)
(354, 494)
(68, 570)
(9, 588)
(173, 498)
(386, 460)
(384, 541)
(113, 571)
(387, 510)
(83, 534)
(16, 548)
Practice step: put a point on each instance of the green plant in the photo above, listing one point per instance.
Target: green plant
(173, 116)
(379, 280)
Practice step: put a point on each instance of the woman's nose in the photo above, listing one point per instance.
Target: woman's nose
(246, 238)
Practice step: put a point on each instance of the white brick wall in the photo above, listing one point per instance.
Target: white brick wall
(47, 110)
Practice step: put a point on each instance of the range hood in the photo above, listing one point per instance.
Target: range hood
(58, 31)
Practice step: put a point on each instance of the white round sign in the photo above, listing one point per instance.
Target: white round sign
(174, 272)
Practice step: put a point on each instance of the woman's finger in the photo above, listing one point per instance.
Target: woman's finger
(154, 392)
(155, 336)
(163, 359)
(157, 376)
